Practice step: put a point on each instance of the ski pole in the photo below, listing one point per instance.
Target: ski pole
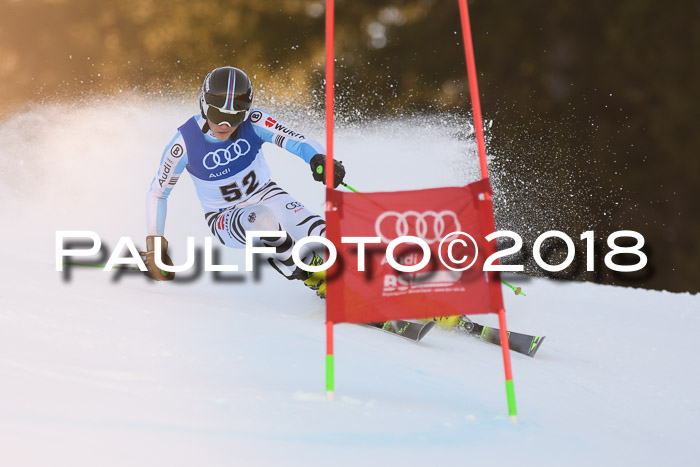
(130, 268)
(119, 266)
(364, 196)
(349, 187)
(517, 290)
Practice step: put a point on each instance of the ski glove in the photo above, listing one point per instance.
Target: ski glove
(318, 165)
(155, 272)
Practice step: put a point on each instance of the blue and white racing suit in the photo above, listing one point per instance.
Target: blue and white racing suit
(233, 183)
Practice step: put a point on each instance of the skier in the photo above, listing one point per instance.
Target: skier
(222, 151)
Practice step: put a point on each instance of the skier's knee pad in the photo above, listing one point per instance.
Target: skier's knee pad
(259, 218)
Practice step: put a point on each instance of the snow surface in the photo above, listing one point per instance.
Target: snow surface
(101, 369)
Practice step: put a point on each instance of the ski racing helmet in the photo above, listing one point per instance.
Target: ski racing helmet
(226, 97)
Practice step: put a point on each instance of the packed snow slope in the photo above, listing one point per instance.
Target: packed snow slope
(103, 369)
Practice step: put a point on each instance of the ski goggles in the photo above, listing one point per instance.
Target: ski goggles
(228, 117)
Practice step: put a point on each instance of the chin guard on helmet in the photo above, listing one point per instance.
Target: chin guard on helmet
(226, 97)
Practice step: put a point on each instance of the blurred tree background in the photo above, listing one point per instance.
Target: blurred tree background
(611, 88)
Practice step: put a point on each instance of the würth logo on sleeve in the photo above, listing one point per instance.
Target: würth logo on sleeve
(270, 122)
(287, 131)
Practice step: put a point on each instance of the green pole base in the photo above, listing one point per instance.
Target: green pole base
(330, 377)
(510, 394)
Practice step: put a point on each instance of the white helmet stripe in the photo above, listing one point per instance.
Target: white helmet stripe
(228, 105)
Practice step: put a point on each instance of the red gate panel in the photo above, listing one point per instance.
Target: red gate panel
(381, 292)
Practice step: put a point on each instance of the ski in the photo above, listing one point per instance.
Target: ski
(405, 329)
(518, 342)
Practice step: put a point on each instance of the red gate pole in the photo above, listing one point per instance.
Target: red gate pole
(330, 77)
(330, 95)
(494, 277)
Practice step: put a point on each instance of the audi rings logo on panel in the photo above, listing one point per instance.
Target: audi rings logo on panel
(430, 226)
(222, 156)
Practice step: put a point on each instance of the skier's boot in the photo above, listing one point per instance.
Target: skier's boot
(313, 280)
(461, 323)
(390, 326)
(464, 324)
